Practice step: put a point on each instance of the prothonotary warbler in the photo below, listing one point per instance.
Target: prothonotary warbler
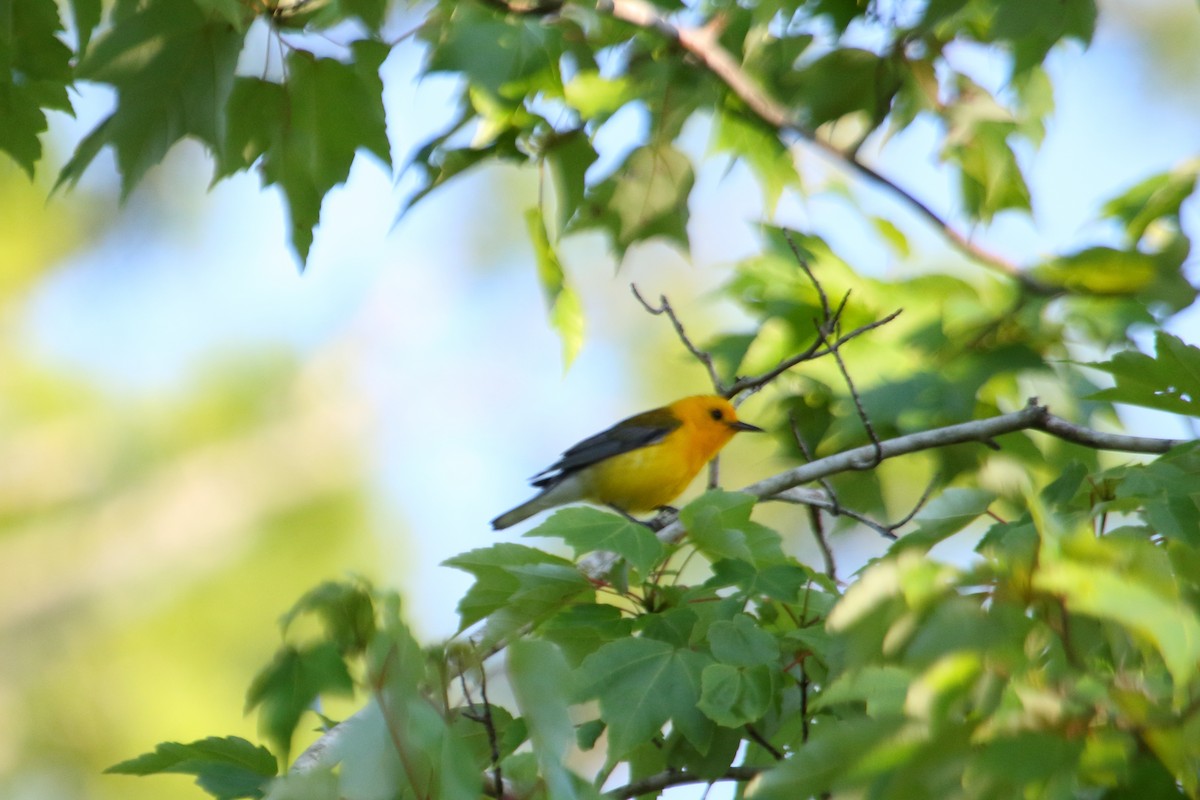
(639, 464)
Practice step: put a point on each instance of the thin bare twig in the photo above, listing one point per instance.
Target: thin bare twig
(815, 499)
(762, 742)
(858, 406)
(907, 518)
(705, 358)
(816, 350)
(803, 262)
(818, 530)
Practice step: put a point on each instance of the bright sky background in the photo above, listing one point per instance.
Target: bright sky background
(440, 319)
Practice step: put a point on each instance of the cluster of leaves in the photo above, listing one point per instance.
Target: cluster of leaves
(541, 83)
(1060, 663)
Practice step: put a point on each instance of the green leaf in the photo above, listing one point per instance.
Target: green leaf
(581, 630)
(1101, 271)
(1157, 197)
(590, 529)
(226, 768)
(334, 110)
(287, 687)
(507, 58)
(646, 197)
(35, 70)
(346, 609)
(566, 312)
(86, 14)
(539, 677)
(594, 96)
(1097, 591)
(569, 157)
(759, 146)
(719, 525)
(233, 12)
(882, 689)
(990, 178)
(641, 685)
(172, 67)
(254, 118)
(1169, 381)
(515, 585)
(1034, 27)
(371, 12)
(945, 516)
(733, 696)
(845, 81)
(830, 755)
(741, 642)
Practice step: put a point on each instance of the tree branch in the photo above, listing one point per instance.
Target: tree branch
(702, 43)
(664, 780)
(785, 486)
(1032, 417)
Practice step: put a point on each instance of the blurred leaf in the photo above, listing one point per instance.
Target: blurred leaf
(569, 157)
(882, 690)
(371, 12)
(514, 585)
(947, 514)
(645, 197)
(1099, 270)
(35, 70)
(1092, 590)
(504, 57)
(590, 529)
(751, 141)
(227, 768)
(825, 760)
(991, 179)
(1034, 27)
(173, 69)
(286, 688)
(566, 312)
(539, 677)
(334, 109)
(86, 15)
(641, 684)
(1157, 197)
(842, 82)
(595, 96)
(346, 609)
(1168, 381)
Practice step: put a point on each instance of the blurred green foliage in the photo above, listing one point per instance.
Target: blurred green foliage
(1057, 660)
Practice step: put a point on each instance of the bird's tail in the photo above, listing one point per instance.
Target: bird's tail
(521, 512)
(567, 490)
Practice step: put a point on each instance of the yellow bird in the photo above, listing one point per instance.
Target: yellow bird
(639, 464)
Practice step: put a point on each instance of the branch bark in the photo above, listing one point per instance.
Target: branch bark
(1033, 416)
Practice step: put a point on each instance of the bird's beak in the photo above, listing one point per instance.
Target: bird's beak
(746, 426)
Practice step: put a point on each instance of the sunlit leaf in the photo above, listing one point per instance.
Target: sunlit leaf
(565, 309)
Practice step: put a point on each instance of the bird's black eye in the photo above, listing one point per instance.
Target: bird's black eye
(716, 413)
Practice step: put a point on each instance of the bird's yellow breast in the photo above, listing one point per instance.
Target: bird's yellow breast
(653, 476)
